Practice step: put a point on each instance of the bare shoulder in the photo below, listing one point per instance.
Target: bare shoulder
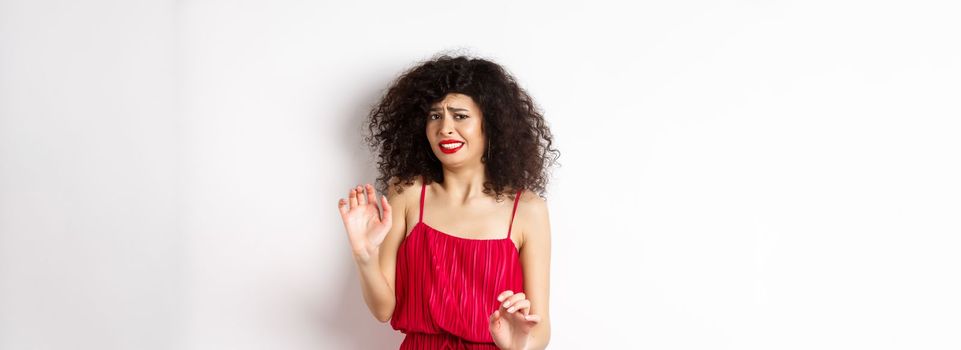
(532, 202)
(533, 216)
(399, 194)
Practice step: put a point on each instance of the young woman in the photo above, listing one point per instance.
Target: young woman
(460, 256)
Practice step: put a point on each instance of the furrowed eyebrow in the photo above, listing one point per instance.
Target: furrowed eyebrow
(450, 108)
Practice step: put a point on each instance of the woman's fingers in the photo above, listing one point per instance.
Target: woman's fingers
(362, 195)
(504, 295)
(353, 198)
(521, 305)
(371, 194)
(361, 198)
(526, 321)
(342, 208)
(511, 300)
(386, 218)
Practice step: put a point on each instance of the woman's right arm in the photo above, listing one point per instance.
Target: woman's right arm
(374, 239)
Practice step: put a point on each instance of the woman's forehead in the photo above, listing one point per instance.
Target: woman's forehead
(455, 101)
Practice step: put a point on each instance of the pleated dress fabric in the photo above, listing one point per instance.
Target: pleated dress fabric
(446, 286)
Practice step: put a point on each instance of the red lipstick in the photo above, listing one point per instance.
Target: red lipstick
(456, 145)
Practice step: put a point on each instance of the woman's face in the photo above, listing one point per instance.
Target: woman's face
(454, 130)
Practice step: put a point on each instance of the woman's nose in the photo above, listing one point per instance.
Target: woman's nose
(447, 126)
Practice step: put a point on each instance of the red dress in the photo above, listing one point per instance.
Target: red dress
(447, 286)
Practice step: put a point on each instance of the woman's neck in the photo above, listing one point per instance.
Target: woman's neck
(464, 183)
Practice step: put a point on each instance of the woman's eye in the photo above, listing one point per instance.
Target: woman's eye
(437, 116)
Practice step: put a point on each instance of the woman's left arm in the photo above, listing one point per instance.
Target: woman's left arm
(535, 257)
(522, 321)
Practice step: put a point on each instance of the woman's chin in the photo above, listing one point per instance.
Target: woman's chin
(457, 161)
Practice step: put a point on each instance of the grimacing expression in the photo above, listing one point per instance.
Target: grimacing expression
(454, 130)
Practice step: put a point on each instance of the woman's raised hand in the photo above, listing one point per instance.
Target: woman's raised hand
(366, 226)
(511, 324)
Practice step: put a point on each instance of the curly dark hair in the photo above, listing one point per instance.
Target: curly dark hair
(521, 151)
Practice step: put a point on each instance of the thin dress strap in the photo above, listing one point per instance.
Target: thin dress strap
(422, 187)
(517, 197)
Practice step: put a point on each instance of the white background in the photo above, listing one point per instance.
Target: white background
(745, 175)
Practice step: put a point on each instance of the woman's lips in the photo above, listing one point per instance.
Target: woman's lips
(456, 146)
